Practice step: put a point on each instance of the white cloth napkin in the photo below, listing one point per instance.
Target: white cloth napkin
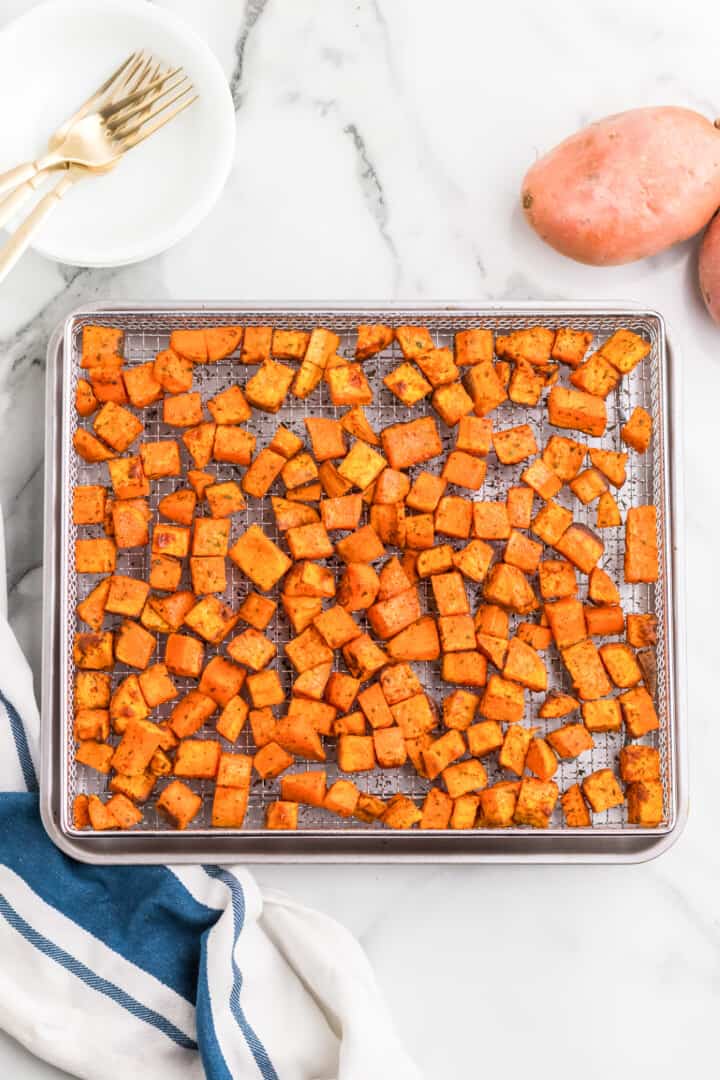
(168, 972)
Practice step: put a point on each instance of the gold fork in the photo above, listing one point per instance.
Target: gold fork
(97, 142)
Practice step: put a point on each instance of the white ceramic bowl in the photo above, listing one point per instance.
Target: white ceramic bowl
(51, 59)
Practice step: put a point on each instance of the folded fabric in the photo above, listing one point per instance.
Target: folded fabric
(168, 971)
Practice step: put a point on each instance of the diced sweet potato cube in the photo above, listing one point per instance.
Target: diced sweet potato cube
(508, 587)
(459, 709)
(595, 376)
(391, 487)
(363, 545)
(407, 384)
(535, 802)
(588, 485)
(362, 465)
(581, 546)
(567, 621)
(514, 748)
(464, 470)
(92, 609)
(308, 788)
(229, 406)
(638, 712)
(262, 725)
(252, 649)
(93, 652)
(156, 685)
(95, 755)
(604, 620)
(341, 690)
(414, 716)
(92, 690)
(464, 777)
(608, 512)
(603, 715)
(467, 668)
(308, 650)
(199, 442)
(532, 345)
(601, 588)
(259, 558)
(233, 444)
(257, 342)
(464, 813)
(180, 803)
(107, 383)
(184, 655)
(389, 617)
(174, 373)
(586, 670)
(434, 562)
(342, 798)
(557, 579)
(438, 366)
(485, 387)
(624, 350)
(197, 759)
(523, 665)
(557, 705)
(502, 700)
(526, 384)
(473, 346)
(372, 338)
(564, 456)
(401, 813)
(497, 806)
(411, 443)
(474, 435)
(271, 760)
(268, 387)
(442, 752)
(290, 344)
(85, 401)
(551, 522)
(358, 587)
(457, 633)
(452, 403)
(95, 556)
(281, 815)
(535, 635)
(265, 689)
(645, 803)
(641, 551)
(363, 657)
(419, 641)
(348, 385)
(571, 740)
(602, 790)
(297, 732)
(449, 593)
(117, 426)
(474, 560)
(541, 760)
(519, 504)
(639, 763)
(413, 340)
(574, 808)
(514, 444)
(138, 744)
(191, 344)
(356, 753)
(183, 410)
(542, 479)
(637, 433)
(101, 344)
(576, 409)
(484, 738)
(492, 647)
(89, 504)
(453, 516)
(436, 810)
(522, 552)
(399, 682)
(126, 595)
(570, 346)
(642, 630)
(171, 540)
(356, 423)
(229, 807)
(134, 645)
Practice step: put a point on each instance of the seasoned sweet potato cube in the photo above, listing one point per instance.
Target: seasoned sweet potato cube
(525, 385)
(389, 525)
(535, 802)
(95, 556)
(436, 810)
(363, 657)
(308, 788)
(299, 470)
(297, 733)
(232, 718)
(89, 504)
(309, 579)
(179, 506)
(271, 760)
(637, 432)
(252, 649)
(602, 790)
(485, 387)
(459, 709)
(372, 338)
(581, 546)
(642, 630)
(514, 748)
(85, 401)
(342, 798)
(449, 593)
(191, 344)
(356, 753)
(522, 552)
(290, 344)
(595, 376)
(467, 668)
(208, 574)
(389, 617)
(233, 444)
(438, 366)
(180, 803)
(341, 691)
(257, 610)
(92, 609)
(390, 748)
(262, 725)
(142, 385)
(588, 485)
(414, 715)
(551, 522)
(557, 705)
(126, 595)
(601, 588)
(285, 443)
(442, 752)
(586, 670)
(160, 458)
(567, 621)
(174, 373)
(101, 344)
(134, 646)
(156, 685)
(574, 808)
(184, 655)
(564, 456)
(519, 504)
(199, 442)
(96, 755)
(229, 807)
(108, 384)
(229, 406)
(210, 537)
(420, 532)
(407, 384)
(288, 514)
(419, 641)
(464, 470)
(502, 700)
(265, 689)
(464, 813)
(557, 579)
(358, 587)
(608, 512)
(639, 763)
(497, 806)
(624, 350)
(183, 410)
(259, 558)
(268, 387)
(99, 816)
(257, 341)
(452, 402)
(391, 487)
(92, 690)
(399, 682)
(514, 444)
(138, 744)
(473, 346)
(508, 587)
(309, 541)
(541, 479)
(532, 345)
(362, 465)
(538, 637)
(393, 579)
(197, 759)
(282, 815)
(410, 444)
(348, 384)
(641, 551)
(171, 540)
(604, 620)
(473, 560)
(464, 777)
(220, 341)
(540, 759)
(336, 627)
(645, 803)
(308, 650)
(570, 346)
(571, 740)
(492, 619)
(610, 464)
(124, 811)
(638, 712)
(453, 517)
(485, 737)
(413, 340)
(523, 665)
(576, 409)
(211, 619)
(603, 715)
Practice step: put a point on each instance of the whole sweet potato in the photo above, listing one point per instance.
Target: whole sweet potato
(709, 268)
(627, 186)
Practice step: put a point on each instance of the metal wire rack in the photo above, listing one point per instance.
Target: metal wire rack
(147, 332)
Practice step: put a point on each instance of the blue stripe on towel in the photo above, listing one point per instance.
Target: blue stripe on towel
(21, 744)
(211, 1054)
(237, 896)
(93, 980)
(144, 913)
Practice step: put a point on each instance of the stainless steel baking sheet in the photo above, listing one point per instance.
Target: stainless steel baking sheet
(651, 478)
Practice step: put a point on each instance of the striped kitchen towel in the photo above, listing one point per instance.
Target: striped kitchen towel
(162, 971)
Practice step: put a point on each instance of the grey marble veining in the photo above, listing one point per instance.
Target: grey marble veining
(381, 144)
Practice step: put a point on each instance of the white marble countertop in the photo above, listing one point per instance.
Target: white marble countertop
(380, 148)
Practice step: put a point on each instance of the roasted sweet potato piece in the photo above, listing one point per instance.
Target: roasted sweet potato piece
(645, 803)
(220, 341)
(574, 808)
(577, 410)
(411, 443)
(372, 338)
(522, 552)
(180, 803)
(348, 385)
(602, 790)
(567, 621)
(604, 620)
(491, 619)
(523, 665)
(525, 385)
(457, 633)
(467, 667)
(540, 759)
(197, 759)
(571, 740)
(637, 432)
(473, 560)
(543, 481)
(490, 520)
(595, 376)
(497, 805)
(473, 346)
(89, 448)
(603, 715)
(564, 456)
(95, 755)
(268, 387)
(464, 470)
(557, 705)
(174, 373)
(507, 586)
(438, 366)
(342, 798)
(601, 588)
(453, 517)
(514, 748)
(257, 341)
(407, 384)
(101, 345)
(581, 546)
(519, 504)
(515, 444)
(92, 609)
(485, 387)
(108, 384)
(452, 402)
(532, 345)
(608, 513)
(281, 815)
(419, 641)
(189, 343)
(308, 788)
(639, 763)
(641, 551)
(586, 670)
(570, 346)
(85, 401)
(642, 630)
(259, 558)
(624, 350)
(535, 802)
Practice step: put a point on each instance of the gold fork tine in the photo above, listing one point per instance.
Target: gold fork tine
(87, 106)
(110, 110)
(146, 131)
(118, 124)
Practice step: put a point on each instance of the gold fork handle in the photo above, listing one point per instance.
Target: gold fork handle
(19, 241)
(17, 198)
(18, 175)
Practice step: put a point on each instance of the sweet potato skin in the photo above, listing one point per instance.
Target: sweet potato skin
(589, 197)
